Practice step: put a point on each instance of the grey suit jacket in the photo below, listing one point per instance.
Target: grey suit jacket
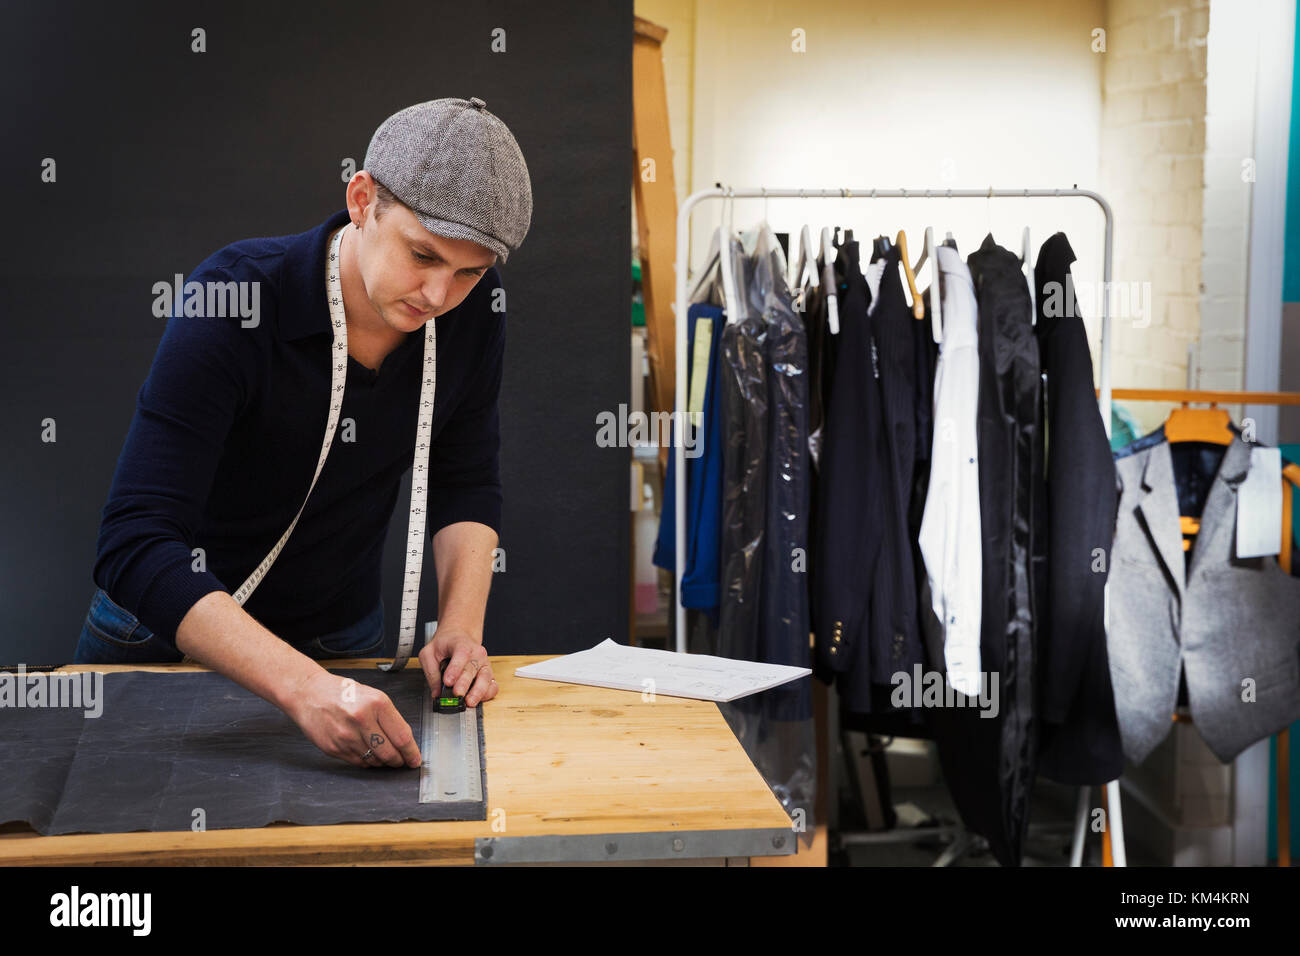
(1233, 624)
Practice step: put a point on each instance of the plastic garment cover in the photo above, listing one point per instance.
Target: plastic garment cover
(764, 615)
(989, 763)
(744, 470)
(784, 620)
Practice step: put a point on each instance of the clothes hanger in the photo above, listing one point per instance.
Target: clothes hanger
(710, 264)
(749, 238)
(1209, 425)
(731, 300)
(799, 280)
(1199, 424)
(805, 247)
(928, 255)
(832, 298)
(805, 268)
(1027, 262)
(918, 307)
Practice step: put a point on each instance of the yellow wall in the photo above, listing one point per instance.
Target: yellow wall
(942, 94)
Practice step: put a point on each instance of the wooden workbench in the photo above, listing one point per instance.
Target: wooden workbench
(575, 774)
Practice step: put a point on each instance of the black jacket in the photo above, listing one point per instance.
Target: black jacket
(1080, 739)
(848, 522)
(905, 401)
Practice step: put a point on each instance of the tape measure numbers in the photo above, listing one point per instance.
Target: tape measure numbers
(419, 469)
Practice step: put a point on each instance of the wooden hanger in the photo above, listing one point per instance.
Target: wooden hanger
(1291, 479)
(918, 307)
(1198, 424)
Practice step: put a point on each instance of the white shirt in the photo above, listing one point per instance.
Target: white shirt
(950, 526)
(872, 274)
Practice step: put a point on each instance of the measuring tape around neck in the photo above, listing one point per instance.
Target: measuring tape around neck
(419, 470)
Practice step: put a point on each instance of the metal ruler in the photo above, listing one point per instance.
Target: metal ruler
(450, 769)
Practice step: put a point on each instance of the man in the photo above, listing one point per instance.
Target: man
(227, 435)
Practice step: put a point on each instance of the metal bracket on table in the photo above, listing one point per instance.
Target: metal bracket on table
(665, 845)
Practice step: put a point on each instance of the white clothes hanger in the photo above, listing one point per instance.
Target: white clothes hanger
(706, 273)
(832, 298)
(805, 270)
(731, 299)
(929, 254)
(1027, 261)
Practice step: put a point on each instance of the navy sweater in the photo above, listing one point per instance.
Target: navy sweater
(227, 432)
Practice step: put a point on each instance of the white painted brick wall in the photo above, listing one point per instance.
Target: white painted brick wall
(1152, 171)
(1226, 201)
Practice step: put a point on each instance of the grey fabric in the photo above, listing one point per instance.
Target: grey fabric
(1224, 619)
(459, 169)
(167, 744)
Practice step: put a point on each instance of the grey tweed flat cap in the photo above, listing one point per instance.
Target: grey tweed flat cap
(459, 169)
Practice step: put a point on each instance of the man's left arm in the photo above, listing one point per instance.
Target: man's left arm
(463, 553)
(464, 506)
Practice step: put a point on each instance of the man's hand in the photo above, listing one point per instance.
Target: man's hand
(346, 719)
(469, 672)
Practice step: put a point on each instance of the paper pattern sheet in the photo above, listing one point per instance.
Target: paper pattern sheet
(698, 676)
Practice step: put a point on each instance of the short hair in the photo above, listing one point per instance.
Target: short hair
(384, 199)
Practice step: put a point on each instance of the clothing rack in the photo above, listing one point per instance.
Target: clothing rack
(1115, 824)
(681, 306)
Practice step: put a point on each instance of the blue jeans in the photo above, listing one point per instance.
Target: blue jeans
(113, 635)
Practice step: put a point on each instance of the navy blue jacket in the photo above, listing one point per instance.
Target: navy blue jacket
(699, 585)
(227, 432)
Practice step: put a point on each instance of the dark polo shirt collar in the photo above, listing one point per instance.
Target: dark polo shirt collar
(303, 310)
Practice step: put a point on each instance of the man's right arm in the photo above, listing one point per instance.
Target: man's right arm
(203, 375)
(340, 717)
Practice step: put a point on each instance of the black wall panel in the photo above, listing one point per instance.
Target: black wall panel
(165, 155)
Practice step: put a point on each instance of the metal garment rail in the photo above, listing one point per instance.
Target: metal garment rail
(1115, 823)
